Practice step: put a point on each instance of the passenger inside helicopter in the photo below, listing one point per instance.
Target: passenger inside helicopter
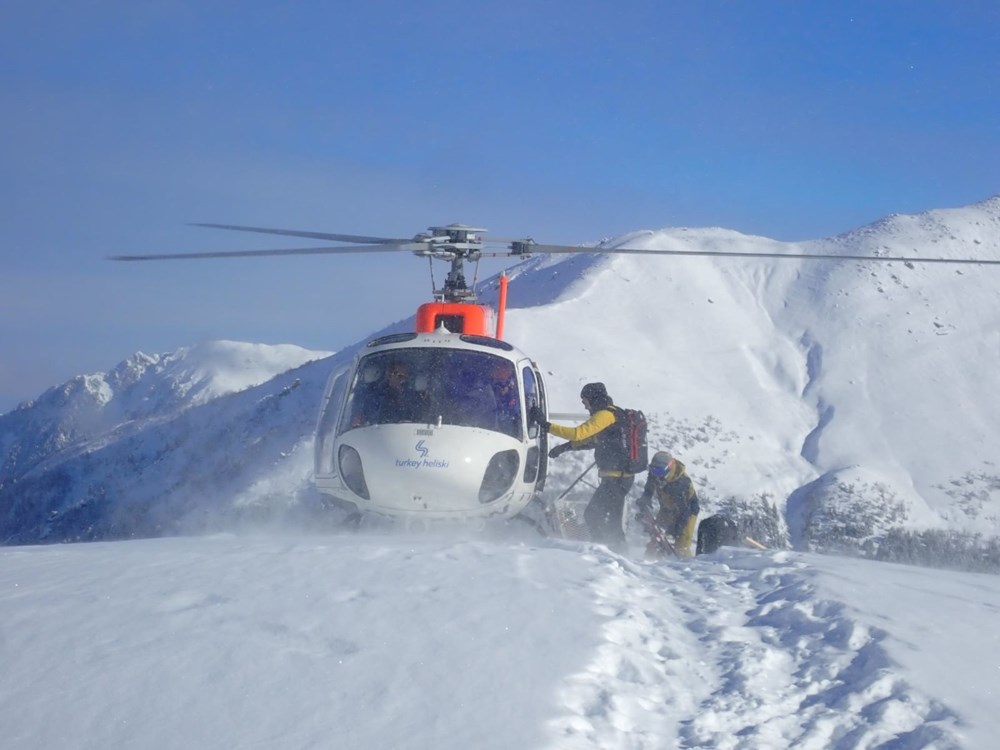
(386, 395)
(458, 387)
(467, 398)
(508, 403)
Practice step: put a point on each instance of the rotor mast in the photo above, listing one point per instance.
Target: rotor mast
(456, 243)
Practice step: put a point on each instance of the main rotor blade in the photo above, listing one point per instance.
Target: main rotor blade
(311, 235)
(728, 254)
(291, 251)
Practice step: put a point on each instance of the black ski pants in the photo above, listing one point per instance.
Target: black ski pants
(604, 512)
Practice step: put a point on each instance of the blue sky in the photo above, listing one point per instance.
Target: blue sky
(566, 121)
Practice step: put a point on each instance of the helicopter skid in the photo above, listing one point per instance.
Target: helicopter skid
(428, 518)
(425, 519)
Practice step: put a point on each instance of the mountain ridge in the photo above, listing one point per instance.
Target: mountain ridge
(794, 389)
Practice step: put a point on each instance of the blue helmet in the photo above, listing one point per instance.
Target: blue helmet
(659, 465)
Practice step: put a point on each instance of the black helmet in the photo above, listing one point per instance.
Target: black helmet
(595, 394)
(594, 391)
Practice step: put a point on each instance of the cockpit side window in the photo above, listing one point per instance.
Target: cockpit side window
(531, 396)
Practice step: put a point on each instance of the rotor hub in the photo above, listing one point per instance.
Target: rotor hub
(455, 243)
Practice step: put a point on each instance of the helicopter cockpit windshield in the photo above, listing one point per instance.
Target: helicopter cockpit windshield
(435, 386)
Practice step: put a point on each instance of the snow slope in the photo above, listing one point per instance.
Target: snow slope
(416, 642)
(836, 390)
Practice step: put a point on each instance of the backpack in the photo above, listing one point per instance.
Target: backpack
(633, 450)
(714, 532)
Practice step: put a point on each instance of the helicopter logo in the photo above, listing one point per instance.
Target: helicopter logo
(422, 462)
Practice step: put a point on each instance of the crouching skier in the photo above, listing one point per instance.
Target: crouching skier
(678, 512)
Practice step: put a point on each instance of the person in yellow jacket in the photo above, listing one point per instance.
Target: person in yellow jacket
(678, 501)
(602, 433)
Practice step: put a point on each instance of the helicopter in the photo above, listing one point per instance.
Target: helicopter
(429, 425)
(441, 423)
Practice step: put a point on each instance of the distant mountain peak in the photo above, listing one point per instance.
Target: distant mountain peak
(139, 387)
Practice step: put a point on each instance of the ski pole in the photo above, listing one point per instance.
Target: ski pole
(658, 534)
(575, 481)
(753, 542)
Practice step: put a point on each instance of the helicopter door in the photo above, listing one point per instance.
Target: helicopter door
(536, 461)
(325, 427)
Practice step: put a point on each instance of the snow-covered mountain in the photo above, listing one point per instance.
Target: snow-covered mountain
(827, 402)
(856, 397)
(71, 457)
